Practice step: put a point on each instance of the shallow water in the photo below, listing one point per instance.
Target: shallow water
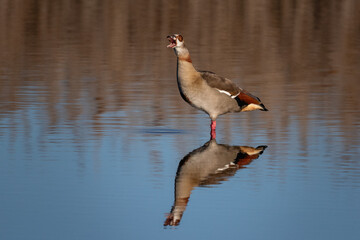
(96, 142)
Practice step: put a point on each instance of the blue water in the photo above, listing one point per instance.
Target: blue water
(68, 183)
(96, 142)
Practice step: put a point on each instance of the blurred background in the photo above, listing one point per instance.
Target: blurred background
(92, 127)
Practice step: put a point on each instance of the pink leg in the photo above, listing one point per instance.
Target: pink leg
(213, 125)
(213, 129)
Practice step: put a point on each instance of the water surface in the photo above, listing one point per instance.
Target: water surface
(96, 141)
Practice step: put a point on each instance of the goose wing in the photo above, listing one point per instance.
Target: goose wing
(226, 86)
(222, 84)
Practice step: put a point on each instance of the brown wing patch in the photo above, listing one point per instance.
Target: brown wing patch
(245, 98)
(247, 160)
(248, 98)
(243, 158)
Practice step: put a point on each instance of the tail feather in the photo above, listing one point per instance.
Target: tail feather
(261, 148)
(263, 107)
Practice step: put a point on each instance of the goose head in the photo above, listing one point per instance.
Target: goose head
(176, 40)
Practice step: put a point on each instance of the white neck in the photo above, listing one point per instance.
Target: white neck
(181, 51)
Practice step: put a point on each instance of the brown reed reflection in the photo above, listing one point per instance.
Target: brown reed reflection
(210, 164)
(81, 59)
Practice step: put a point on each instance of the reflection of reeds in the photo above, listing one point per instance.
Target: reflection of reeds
(95, 57)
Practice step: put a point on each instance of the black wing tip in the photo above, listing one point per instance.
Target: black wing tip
(264, 108)
(262, 148)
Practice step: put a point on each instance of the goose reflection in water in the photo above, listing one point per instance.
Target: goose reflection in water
(210, 164)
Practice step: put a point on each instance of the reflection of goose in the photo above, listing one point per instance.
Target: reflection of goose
(209, 164)
(208, 91)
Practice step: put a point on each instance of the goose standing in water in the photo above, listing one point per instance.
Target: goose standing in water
(208, 91)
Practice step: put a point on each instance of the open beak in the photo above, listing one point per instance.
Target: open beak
(172, 41)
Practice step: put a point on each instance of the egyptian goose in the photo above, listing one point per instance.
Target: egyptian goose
(207, 165)
(208, 91)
